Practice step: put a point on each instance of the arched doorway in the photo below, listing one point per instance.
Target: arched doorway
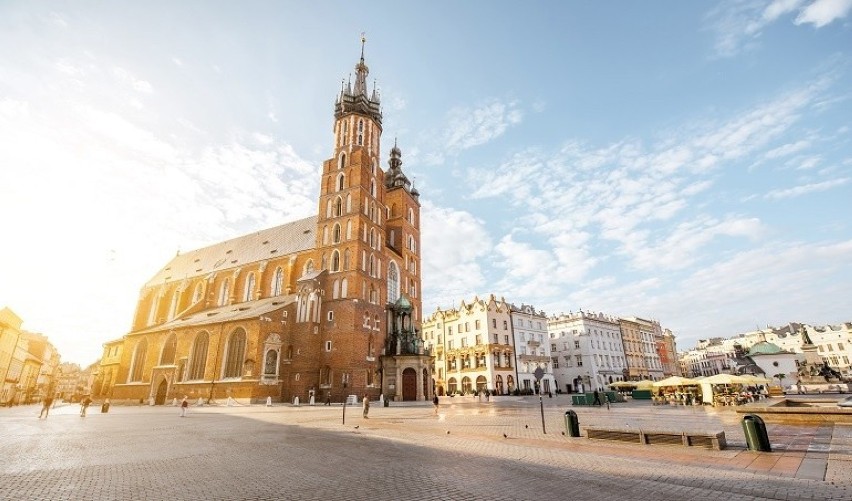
(409, 384)
(499, 384)
(510, 382)
(162, 389)
(481, 384)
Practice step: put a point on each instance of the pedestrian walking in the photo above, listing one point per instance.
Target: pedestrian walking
(435, 402)
(184, 404)
(84, 405)
(598, 398)
(45, 407)
(328, 398)
(366, 406)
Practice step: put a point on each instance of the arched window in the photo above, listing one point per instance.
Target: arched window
(335, 260)
(373, 167)
(175, 303)
(341, 181)
(338, 207)
(198, 295)
(152, 313)
(411, 216)
(198, 360)
(360, 132)
(138, 364)
(167, 356)
(323, 262)
(335, 289)
(328, 209)
(372, 238)
(224, 292)
(342, 162)
(335, 234)
(270, 363)
(348, 203)
(234, 354)
(372, 269)
(325, 376)
(393, 282)
(349, 230)
(373, 188)
(309, 267)
(325, 235)
(249, 290)
(277, 282)
(346, 260)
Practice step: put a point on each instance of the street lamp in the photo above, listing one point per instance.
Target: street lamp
(345, 384)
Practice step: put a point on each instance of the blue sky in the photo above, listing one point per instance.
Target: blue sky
(683, 161)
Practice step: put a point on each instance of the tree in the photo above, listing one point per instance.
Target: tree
(780, 377)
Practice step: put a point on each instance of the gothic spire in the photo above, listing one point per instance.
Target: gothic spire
(357, 99)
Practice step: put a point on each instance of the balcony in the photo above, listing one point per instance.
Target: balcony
(532, 343)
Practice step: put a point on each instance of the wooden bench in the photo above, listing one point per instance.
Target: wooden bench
(651, 437)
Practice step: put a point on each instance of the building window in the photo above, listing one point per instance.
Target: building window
(167, 357)
(393, 282)
(335, 261)
(198, 361)
(138, 360)
(277, 282)
(330, 316)
(235, 354)
(247, 293)
(328, 346)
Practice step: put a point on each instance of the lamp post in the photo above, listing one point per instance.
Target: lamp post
(345, 384)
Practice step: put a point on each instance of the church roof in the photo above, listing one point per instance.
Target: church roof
(765, 348)
(266, 244)
(230, 313)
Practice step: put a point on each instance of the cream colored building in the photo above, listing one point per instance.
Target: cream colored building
(472, 347)
(586, 350)
(532, 348)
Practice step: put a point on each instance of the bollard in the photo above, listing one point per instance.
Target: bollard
(572, 424)
(755, 433)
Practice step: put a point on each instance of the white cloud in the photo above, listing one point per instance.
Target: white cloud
(135, 83)
(467, 128)
(738, 24)
(823, 12)
(805, 189)
(788, 149)
(177, 61)
(453, 242)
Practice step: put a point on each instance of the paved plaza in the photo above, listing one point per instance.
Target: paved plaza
(471, 450)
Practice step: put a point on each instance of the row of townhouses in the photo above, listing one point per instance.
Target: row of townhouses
(28, 362)
(771, 351)
(491, 344)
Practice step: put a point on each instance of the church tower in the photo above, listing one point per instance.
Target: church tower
(350, 242)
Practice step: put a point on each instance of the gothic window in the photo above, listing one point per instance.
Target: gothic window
(373, 188)
(198, 295)
(335, 289)
(360, 132)
(224, 292)
(325, 376)
(175, 302)
(236, 350)
(373, 169)
(309, 267)
(348, 203)
(167, 357)
(374, 297)
(341, 181)
(338, 207)
(198, 360)
(363, 261)
(325, 235)
(335, 234)
(346, 260)
(372, 238)
(370, 346)
(335, 260)
(247, 293)
(345, 132)
(373, 212)
(342, 162)
(277, 282)
(270, 363)
(349, 230)
(372, 269)
(152, 313)
(411, 216)
(343, 287)
(393, 238)
(323, 262)
(138, 360)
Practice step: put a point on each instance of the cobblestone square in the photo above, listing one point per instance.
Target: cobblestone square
(404, 452)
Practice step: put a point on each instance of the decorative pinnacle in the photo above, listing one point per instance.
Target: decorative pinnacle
(363, 41)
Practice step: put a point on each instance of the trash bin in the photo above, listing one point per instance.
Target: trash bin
(105, 407)
(755, 433)
(572, 424)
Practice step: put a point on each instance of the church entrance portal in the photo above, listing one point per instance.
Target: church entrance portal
(409, 384)
(162, 389)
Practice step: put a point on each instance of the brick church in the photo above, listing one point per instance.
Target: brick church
(327, 306)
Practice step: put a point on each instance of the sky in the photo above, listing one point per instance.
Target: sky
(688, 162)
